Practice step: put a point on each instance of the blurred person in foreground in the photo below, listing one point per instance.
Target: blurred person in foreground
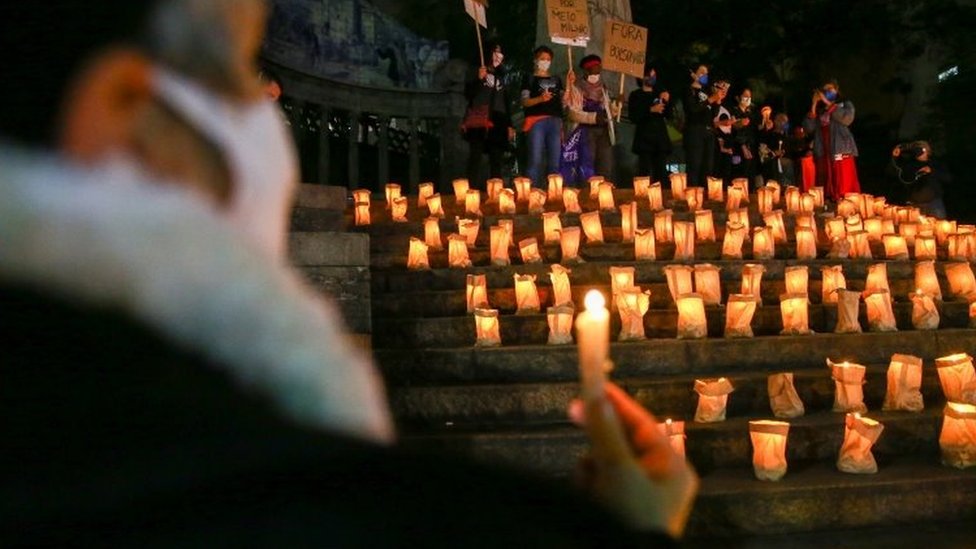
(164, 382)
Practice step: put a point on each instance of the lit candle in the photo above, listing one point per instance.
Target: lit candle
(593, 337)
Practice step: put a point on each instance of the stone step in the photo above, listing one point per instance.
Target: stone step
(554, 450)
(707, 357)
(533, 329)
(423, 408)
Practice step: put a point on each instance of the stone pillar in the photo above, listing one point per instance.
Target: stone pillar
(414, 179)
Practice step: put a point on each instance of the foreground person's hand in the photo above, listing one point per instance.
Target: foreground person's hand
(631, 467)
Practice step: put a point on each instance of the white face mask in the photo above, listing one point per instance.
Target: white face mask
(593, 78)
(256, 146)
(543, 65)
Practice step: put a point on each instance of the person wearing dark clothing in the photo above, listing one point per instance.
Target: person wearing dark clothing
(727, 153)
(699, 134)
(590, 131)
(774, 148)
(649, 110)
(542, 103)
(487, 125)
(921, 179)
(746, 125)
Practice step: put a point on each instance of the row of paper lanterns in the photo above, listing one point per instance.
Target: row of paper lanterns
(957, 439)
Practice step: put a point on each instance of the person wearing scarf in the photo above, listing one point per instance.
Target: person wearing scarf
(834, 149)
(589, 148)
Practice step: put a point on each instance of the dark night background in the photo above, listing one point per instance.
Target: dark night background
(783, 50)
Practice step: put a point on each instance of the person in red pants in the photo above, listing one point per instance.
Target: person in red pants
(834, 149)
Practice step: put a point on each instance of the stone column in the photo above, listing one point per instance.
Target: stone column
(414, 180)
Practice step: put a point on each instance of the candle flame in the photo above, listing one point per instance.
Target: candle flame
(594, 300)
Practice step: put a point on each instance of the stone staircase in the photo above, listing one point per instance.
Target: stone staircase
(508, 404)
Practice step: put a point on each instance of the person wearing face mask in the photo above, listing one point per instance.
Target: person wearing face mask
(542, 102)
(746, 127)
(921, 180)
(834, 149)
(701, 104)
(649, 110)
(590, 123)
(774, 147)
(487, 125)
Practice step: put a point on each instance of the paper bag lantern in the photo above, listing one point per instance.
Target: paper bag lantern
(848, 386)
(417, 256)
(621, 278)
(434, 205)
(704, 226)
(562, 292)
(569, 243)
(555, 191)
(818, 196)
(392, 193)
(740, 216)
(457, 252)
(881, 316)
(655, 197)
(860, 245)
(962, 284)
(848, 310)
(847, 208)
(628, 220)
(529, 248)
(888, 226)
(792, 197)
(835, 228)
(957, 377)
(494, 188)
(713, 399)
(362, 214)
(957, 440)
(943, 229)
(738, 315)
(499, 246)
(925, 315)
(469, 229)
(774, 221)
(526, 294)
(664, 226)
(424, 191)
(764, 200)
(523, 188)
(763, 244)
(605, 196)
(692, 323)
(716, 189)
(399, 209)
(956, 247)
(365, 196)
(832, 279)
(708, 283)
(752, 280)
(472, 203)
(595, 182)
(592, 227)
(537, 201)
(742, 184)
(695, 198)
(571, 201)
(795, 314)
(860, 434)
(509, 226)
(877, 278)
(879, 205)
(644, 245)
(875, 229)
(808, 203)
(684, 241)
(675, 431)
(733, 199)
(735, 235)
(840, 248)
(806, 220)
(560, 321)
(777, 190)
(769, 448)
(925, 248)
(909, 231)
(679, 181)
(476, 292)
(552, 225)
(432, 233)
(904, 390)
(632, 304)
(679, 280)
(641, 184)
(487, 332)
(797, 279)
(806, 243)
(506, 202)
(783, 398)
(461, 187)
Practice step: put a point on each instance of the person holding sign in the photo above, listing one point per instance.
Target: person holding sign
(701, 109)
(542, 101)
(487, 125)
(591, 123)
(649, 110)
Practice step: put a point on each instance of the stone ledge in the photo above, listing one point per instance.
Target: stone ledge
(313, 249)
(327, 197)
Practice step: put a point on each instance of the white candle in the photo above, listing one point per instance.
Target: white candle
(593, 338)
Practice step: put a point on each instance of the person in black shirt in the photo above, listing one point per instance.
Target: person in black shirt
(699, 136)
(486, 96)
(649, 109)
(746, 122)
(542, 101)
(922, 181)
(774, 146)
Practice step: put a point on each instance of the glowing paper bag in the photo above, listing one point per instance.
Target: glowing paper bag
(486, 326)
(848, 386)
(735, 235)
(733, 199)
(469, 229)
(695, 197)
(692, 323)
(675, 431)
(434, 205)
(664, 226)
(655, 197)
(457, 252)
(605, 197)
(840, 248)
(832, 279)
(523, 188)
(476, 292)
(877, 279)
(926, 279)
(895, 247)
(774, 221)
(399, 209)
(499, 246)
(704, 226)
(632, 304)
(716, 189)
(494, 188)
(537, 201)
(424, 191)
(835, 228)
(806, 243)
(713, 398)
(555, 187)
(925, 315)
(362, 196)
(595, 182)
(752, 280)
(740, 216)
(875, 229)
(738, 315)
(551, 226)
(881, 316)
(392, 193)
(621, 278)
(769, 448)
(417, 257)
(645, 248)
(860, 434)
(628, 221)
(571, 201)
(560, 321)
(506, 202)
(472, 203)
(708, 283)
(796, 318)
(925, 248)
(362, 214)
(679, 181)
(562, 292)
(848, 309)
(904, 390)
(569, 243)
(763, 244)
(641, 184)
(764, 200)
(684, 241)
(679, 280)
(962, 284)
(797, 280)
(860, 245)
(783, 398)
(526, 294)
(461, 187)
(529, 248)
(957, 377)
(592, 227)
(432, 233)
(957, 440)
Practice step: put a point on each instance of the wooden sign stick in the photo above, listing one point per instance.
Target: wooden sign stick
(481, 47)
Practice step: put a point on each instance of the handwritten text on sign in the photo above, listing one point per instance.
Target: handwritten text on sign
(568, 19)
(624, 47)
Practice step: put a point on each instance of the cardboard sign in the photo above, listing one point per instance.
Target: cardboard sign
(624, 47)
(476, 10)
(569, 21)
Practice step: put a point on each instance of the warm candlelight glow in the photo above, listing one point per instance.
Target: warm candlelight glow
(655, 197)
(560, 320)
(881, 316)
(708, 283)
(457, 252)
(909, 231)
(806, 243)
(645, 248)
(740, 216)
(434, 205)
(632, 305)
(704, 226)
(832, 279)
(537, 201)
(461, 187)
(763, 244)
(499, 246)
(848, 386)
(783, 398)
(362, 214)
(641, 185)
(552, 225)
(904, 390)
(835, 228)
(562, 293)
(716, 190)
(605, 195)
(797, 279)
(529, 249)
(621, 278)
(432, 233)
(628, 221)
(526, 294)
(555, 187)
(692, 322)
(925, 248)
(399, 210)
(664, 226)
(808, 203)
(735, 235)
(957, 440)
(818, 196)
(424, 191)
(392, 193)
(774, 221)
(594, 301)
(569, 243)
(795, 314)
(733, 200)
(679, 181)
(742, 184)
(957, 377)
(738, 315)
(962, 283)
(874, 228)
(860, 245)
(506, 202)
(494, 188)
(792, 196)
(472, 203)
(595, 182)
(593, 340)
(847, 208)
(752, 280)
(684, 240)
(571, 200)
(592, 227)
(860, 434)
(695, 198)
(877, 278)
(764, 199)
(925, 315)
(769, 448)
(487, 329)
(523, 187)
(713, 399)
(679, 280)
(777, 190)
(469, 229)
(848, 311)
(476, 292)
(417, 256)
